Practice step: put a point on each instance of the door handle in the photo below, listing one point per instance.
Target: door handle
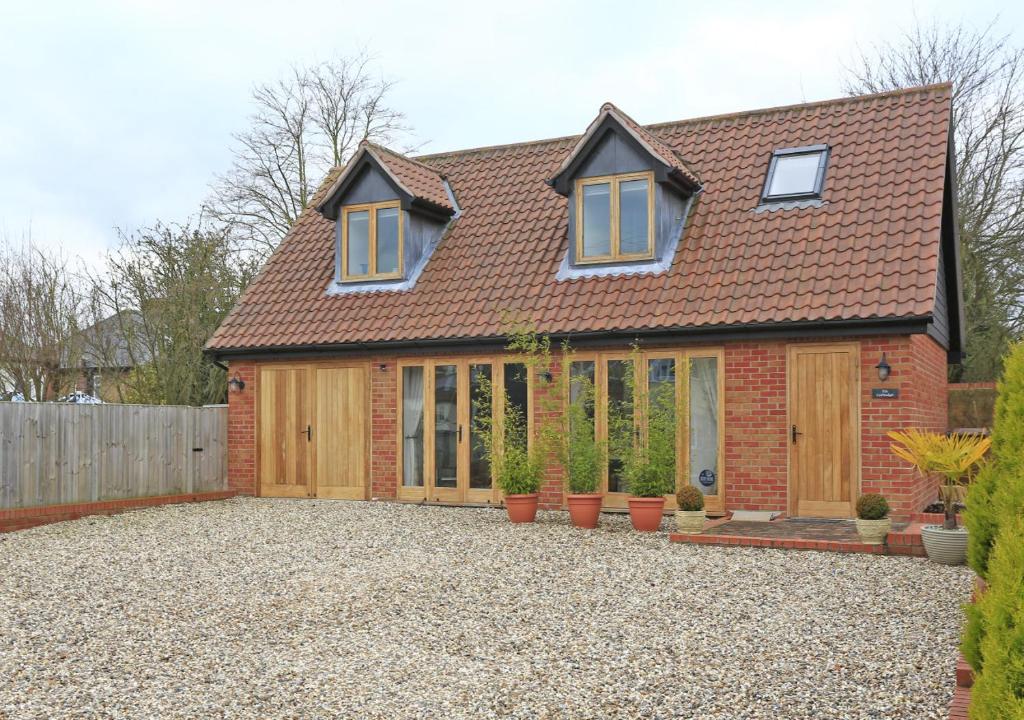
(794, 433)
(460, 433)
(309, 433)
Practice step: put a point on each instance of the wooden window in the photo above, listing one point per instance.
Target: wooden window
(371, 241)
(615, 218)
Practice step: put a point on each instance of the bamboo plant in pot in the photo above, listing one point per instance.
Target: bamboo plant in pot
(517, 460)
(580, 453)
(648, 458)
(956, 459)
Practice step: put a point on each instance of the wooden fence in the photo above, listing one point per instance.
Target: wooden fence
(55, 453)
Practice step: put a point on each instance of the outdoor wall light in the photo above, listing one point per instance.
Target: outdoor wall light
(545, 375)
(383, 367)
(883, 368)
(236, 384)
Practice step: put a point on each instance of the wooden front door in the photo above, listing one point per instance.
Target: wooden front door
(824, 429)
(341, 437)
(313, 431)
(285, 427)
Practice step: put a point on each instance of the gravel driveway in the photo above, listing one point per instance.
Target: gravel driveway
(280, 608)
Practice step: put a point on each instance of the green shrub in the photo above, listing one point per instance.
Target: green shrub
(998, 492)
(998, 646)
(579, 452)
(690, 499)
(872, 506)
(974, 631)
(647, 479)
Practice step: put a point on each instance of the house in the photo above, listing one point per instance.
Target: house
(107, 351)
(793, 271)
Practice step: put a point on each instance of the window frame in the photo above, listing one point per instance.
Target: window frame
(371, 209)
(823, 152)
(614, 228)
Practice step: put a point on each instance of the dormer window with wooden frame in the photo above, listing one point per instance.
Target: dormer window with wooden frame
(371, 241)
(615, 218)
(389, 212)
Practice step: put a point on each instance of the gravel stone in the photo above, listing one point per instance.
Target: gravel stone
(258, 608)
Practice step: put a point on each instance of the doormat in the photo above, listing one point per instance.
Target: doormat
(755, 515)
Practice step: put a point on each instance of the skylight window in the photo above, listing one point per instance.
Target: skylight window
(796, 174)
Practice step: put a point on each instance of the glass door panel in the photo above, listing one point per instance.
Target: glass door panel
(704, 430)
(479, 467)
(413, 395)
(621, 426)
(661, 431)
(447, 430)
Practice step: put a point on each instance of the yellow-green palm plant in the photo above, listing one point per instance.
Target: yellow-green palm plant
(955, 457)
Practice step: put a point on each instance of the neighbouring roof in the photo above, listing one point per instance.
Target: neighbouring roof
(869, 252)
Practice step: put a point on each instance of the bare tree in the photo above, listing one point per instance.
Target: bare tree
(41, 307)
(303, 126)
(987, 72)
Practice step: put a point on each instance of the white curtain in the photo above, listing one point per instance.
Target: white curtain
(412, 426)
(704, 423)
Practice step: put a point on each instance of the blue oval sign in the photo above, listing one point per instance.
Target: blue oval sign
(707, 478)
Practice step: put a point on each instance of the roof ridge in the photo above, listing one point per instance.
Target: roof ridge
(843, 100)
(917, 89)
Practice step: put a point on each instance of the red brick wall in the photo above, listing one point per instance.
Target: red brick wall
(384, 428)
(755, 426)
(756, 439)
(242, 431)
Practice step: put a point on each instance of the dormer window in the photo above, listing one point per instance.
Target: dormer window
(615, 218)
(371, 241)
(796, 174)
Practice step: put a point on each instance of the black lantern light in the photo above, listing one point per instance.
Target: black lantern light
(236, 384)
(883, 368)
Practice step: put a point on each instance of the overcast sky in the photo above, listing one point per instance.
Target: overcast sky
(119, 113)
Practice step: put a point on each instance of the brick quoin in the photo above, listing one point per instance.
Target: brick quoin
(242, 431)
(756, 439)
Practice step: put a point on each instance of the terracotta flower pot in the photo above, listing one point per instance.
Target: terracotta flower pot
(873, 532)
(646, 513)
(690, 522)
(584, 509)
(521, 508)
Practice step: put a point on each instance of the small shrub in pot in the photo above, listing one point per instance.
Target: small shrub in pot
(873, 523)
(690, 514)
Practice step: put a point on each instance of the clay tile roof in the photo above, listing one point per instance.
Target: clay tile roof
(869, 251)
(415, 178)
(668, 155)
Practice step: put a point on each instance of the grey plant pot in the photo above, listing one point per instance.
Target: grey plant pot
(947, 547)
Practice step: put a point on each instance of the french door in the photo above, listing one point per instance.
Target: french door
(313, 431)
(688, 382)
(441, 457)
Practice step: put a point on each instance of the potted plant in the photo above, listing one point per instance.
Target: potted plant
(579, 452)
(690, 513)
(873, 522)
(648, 458)
(955, 458)
(517, 460)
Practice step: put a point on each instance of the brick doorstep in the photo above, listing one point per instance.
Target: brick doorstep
(22, 518)
(906, 542)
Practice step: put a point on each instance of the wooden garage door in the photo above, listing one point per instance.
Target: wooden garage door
(341, 437)
(824, 414)
(285, 467)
